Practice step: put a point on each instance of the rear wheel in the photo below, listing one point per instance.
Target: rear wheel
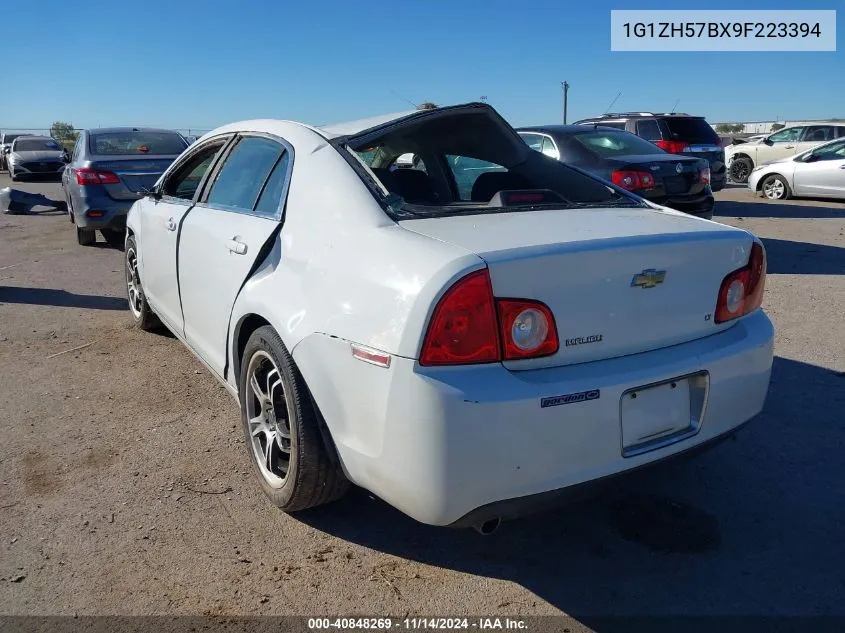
(142, 315)
(741, 169)
(85, 237)
(281, 427)
(775, 187)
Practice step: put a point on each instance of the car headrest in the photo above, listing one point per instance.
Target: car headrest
(489, 183)
(413, 185)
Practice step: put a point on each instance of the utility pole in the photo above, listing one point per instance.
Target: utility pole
(565, 86)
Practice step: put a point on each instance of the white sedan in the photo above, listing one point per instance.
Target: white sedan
(817, 173)
(464, 342)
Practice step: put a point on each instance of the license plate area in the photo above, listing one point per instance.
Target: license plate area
(663, 413)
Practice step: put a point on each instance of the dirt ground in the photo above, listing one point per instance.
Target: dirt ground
(125, 487)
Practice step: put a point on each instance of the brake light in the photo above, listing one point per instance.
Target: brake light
(742, 290)
(704, 176)
(527, 329)
(673, 147)
(87, 176)
(631, 180)
(463, 328)
(469, 326)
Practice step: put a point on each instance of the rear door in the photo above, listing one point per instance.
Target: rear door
(160, 220)
(825, 175)
(224, 236)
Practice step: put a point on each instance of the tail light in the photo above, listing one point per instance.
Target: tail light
(87, 176)
(742, 290)
(704, 176)
(631, 180)
(469, 326)
(673, 147)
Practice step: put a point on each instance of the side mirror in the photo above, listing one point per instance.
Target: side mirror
(7, 149)
(767, 141)
(152, 192)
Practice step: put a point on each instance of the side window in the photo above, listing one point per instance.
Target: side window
(241, 179)
(819, 133)
(840, 131)
(467, 170)
(186, 179)
(789, 135)
(648, 129)
(534, 141)
(270, 197)
(834, 151)
(549, 148)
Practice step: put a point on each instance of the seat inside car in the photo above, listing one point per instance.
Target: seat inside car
(413, 185)
(489, 183)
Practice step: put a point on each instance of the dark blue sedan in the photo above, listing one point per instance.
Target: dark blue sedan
(109, 170)
(628, 161)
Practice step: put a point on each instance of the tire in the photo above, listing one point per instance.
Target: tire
(114, 238)
(741, 169)
(143, 316)
(86, 237)
(775, 187)
(276, 409)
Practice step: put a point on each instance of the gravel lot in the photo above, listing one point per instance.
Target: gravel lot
(125, 486)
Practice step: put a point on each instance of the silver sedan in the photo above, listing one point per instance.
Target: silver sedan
(817, 173)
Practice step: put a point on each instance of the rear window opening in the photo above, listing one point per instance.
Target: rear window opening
(460, 161)
(37, 145)
(141, 143)
(691, 130)
(607, 143)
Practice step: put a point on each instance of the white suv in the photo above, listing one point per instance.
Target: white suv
(744, 157)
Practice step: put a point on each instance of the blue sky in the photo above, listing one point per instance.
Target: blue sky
(186, 63)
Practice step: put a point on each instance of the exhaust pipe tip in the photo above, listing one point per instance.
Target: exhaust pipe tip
(486, 528)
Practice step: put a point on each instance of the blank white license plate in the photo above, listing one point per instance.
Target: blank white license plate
(655, 413)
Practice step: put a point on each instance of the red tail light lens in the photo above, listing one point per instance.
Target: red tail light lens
(742, 291)
(469, 326)
(528, 329)
(87, 176)
(463, 329)
(673, 147)
(704, 176)
(631, 180)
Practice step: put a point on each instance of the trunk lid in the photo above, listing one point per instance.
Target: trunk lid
(136, 173)
(591, 268)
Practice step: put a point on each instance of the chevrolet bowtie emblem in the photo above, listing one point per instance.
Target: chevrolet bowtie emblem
(649, 278)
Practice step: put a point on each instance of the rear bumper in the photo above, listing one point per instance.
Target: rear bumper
(699, 206)
(459, 444)
(113, 211)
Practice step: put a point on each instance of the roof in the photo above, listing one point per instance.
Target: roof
(563, 129)
(27, 137)
(114, 130)
(350, 128)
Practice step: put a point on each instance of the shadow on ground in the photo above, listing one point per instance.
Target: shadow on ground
(752, 527)
(803, 258)
(60, 298)
(757, 208)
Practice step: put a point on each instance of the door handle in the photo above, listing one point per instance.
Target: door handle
(236, 246)
(842, 167)
(789, 147)
(170, 225)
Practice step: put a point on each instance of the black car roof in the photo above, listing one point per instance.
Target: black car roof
(109, 130)
(565, 129)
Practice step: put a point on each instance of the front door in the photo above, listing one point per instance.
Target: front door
(224, 237)
(160, 220)
(824, 175)
(781, 144)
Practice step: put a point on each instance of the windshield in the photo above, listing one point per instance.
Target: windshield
(36, 145)
(466, 161)
(606, 143)
(141, 142)
(691, 130)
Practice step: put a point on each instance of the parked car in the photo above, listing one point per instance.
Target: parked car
(628, 161)
(34, 156)
(674, 132)
(819, 172)
(742, 159)
(6, 139)
(109, 170)
(463, 354)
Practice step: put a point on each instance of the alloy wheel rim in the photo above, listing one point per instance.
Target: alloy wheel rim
(773, 189)
(133, 283)
(268, 419)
